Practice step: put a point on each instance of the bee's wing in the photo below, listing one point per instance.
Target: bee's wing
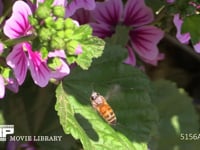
(113, 91)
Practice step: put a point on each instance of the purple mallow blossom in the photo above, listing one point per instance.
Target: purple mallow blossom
(170, 1)
(9, 83)
(61, 70)
(22, 57)
(77, 4)
(13, 145)
(2, 87)
(183, 37)
(18, 24)
(143, 38)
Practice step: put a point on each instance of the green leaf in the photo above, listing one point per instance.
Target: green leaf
(81, 33)
(190, 24)
(120, 37)
(129, 97)
(92, 48)
(154, 4)
(177, 116)
(54, 63)
(2, 120)
(6, 72)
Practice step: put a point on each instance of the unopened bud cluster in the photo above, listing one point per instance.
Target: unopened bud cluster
(53, 31)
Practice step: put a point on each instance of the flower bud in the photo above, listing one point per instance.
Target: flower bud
(44, 34)
(49, 21)
(68, 33)
(61, 34)
(43, 11)
(59, 24)
(69, 24)
(33, 21)
(59, 11)
(57, 43)
(71, 47)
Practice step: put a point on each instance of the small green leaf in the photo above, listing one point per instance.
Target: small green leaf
(44, 52)
(2, 120)
(71, 47)
(120, 37)
(92, 48)
(81, 33)
(55, 63)
(6, 72)
(190, 24)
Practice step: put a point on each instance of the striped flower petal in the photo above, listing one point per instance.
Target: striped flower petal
(18, 25)
(17, 60)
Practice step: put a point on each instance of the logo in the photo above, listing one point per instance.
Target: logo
(6, 130)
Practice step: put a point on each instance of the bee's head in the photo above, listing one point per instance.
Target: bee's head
(94, 95)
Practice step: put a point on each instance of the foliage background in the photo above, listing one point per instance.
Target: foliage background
(153, 108)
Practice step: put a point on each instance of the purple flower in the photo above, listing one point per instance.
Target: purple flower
(13, 145)
(170, 1)
(2, 87)
(18, 25)
(23, 58)
(77, 4)
(61, 70)
(12, 84)
(143, 38)
(183, 37)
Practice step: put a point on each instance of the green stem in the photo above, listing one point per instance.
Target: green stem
(160, 14)
(11, 42)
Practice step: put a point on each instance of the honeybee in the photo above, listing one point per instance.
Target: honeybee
(100, 104)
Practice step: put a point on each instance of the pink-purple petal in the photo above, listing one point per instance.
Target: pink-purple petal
(144, 41)
(62, 71)
(2, 87)
(82, 16)
(185, 37)
(155, 61)
(76, 4)
(12, 85)
(108, 12)
(38, 68)
(131, 60)
(197, 47)
(17, 60)
(57, 53)
(170, 1)
(136, 13)
(102, 30)
(78, 50)
(18, 25)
